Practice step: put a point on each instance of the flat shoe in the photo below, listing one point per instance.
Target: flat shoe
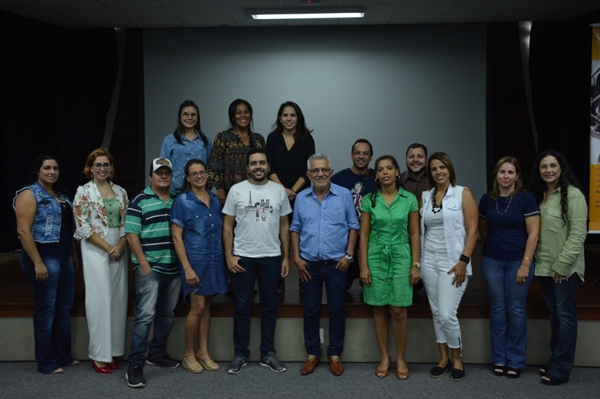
(402, 375)
(193, 367)
(382, 373)
(513, 373)
(457, 375)
(552, 381)
(499, 370)
(211, 365)
(438, 371)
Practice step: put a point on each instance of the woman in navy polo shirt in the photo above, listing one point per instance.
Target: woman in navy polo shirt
(509, 223)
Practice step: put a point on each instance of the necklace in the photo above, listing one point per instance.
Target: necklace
(435, 208)
(507, 206)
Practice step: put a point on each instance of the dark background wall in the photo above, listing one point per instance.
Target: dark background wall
(57, 83)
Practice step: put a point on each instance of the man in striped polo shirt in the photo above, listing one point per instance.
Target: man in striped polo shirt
(157, 279)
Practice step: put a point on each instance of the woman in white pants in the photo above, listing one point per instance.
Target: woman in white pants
(448, 236)
(99, 208)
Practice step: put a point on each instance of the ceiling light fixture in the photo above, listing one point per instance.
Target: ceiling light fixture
(312, 13)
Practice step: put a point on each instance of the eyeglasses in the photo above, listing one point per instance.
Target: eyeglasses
(188, 115)
(202, 173)
(98, 166)
(322, 170)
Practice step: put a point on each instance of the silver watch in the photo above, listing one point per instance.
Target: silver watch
(349, 257)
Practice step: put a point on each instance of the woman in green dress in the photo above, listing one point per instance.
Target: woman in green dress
(389, 259)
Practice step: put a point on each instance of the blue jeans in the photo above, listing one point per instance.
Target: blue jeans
(156, 295)
(335, 287)
(52, 315)
(508, 315)
(562, 310)
(267, 271)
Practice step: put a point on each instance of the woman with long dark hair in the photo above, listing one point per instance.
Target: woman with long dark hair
(227, 161)
(197, 225)
(560, 262)
(509, 224)
(289, 146)
(45, 227)
(186, 142)
(389, 264)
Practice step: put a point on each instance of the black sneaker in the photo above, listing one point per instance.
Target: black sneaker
(269, 360)
(135, 377)
(162, 361)
(237, 365)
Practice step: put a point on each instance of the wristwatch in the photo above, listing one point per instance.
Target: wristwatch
(349, 257)
(417, 264)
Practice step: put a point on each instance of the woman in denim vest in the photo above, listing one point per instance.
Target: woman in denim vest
(45, 228)
(99, 208)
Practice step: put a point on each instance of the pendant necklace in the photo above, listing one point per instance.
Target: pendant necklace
(507, 206)
(435, 208)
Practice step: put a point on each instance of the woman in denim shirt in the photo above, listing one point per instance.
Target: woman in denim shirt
(45, 227)
(99, 208)
(185, 143)
(197, 227)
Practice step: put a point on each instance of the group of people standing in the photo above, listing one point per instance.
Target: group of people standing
(279, 203)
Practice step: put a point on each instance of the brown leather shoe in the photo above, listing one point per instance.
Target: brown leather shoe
(309, 366)
(336, 365)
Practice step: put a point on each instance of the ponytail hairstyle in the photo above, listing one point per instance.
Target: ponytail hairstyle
(373, 195)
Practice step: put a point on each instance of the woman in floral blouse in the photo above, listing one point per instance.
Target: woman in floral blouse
(99, 208)
(227, 161)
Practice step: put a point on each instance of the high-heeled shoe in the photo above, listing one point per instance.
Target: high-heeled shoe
(101, 370)
(113, 365)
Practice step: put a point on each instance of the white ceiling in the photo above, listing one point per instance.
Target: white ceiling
(201, 13)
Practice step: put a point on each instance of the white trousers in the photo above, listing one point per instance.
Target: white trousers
(444, 298)
(105, 299)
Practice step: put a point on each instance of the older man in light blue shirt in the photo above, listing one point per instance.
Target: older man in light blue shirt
(323, 232)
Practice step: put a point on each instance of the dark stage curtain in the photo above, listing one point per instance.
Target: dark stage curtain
(56, 89)
(560, 65)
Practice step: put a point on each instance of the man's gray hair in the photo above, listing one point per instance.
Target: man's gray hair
(319, 156)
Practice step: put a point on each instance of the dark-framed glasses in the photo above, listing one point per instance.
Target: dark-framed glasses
(98, 165)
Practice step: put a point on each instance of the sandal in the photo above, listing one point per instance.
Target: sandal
(211, 365)
(543, 371)
(499, 369)
(552, 381)
(193, 367)
(513, 373)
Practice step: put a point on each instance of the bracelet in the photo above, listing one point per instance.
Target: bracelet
(526, 258)
(465, 258)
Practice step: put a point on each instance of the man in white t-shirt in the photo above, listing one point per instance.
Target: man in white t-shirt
(258, 209)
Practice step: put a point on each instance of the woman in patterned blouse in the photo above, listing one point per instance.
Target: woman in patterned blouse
(99, 208)
(227, 161)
